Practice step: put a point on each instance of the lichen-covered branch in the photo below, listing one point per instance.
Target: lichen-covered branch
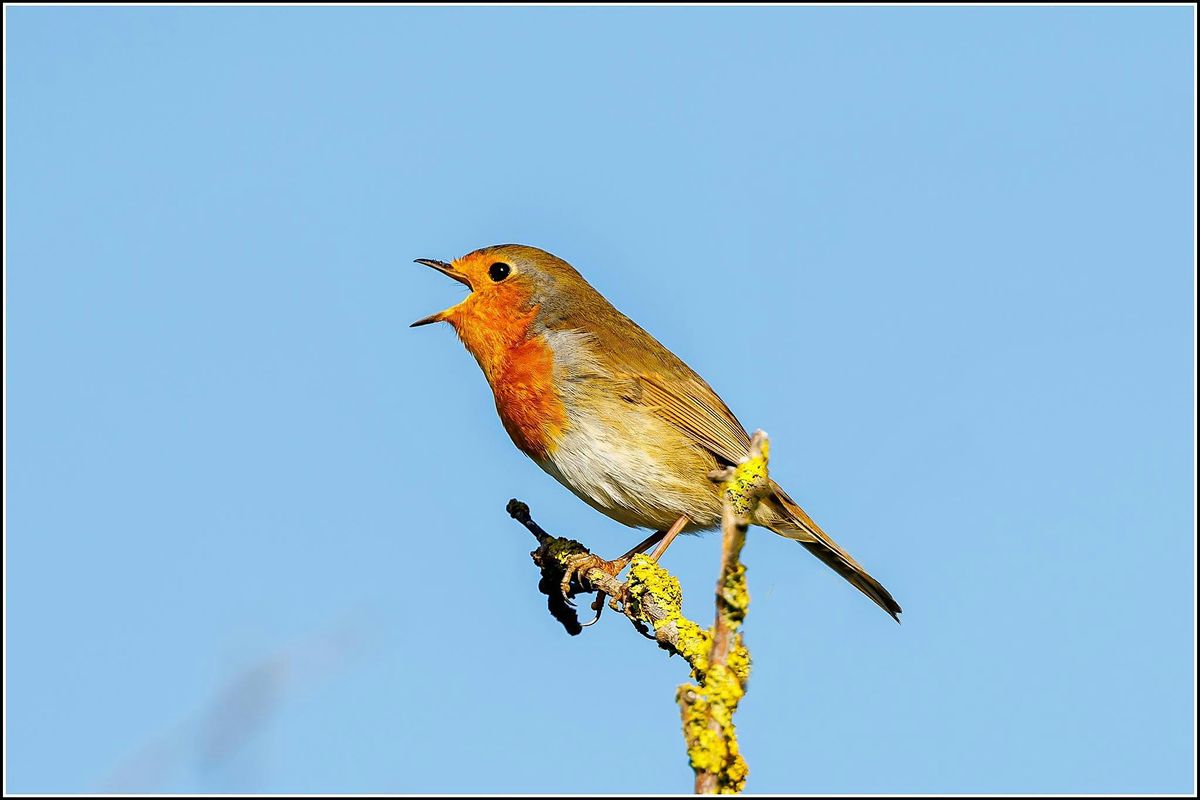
(651, 598)
(708, 709)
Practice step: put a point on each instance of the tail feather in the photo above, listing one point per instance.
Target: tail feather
(790, 520)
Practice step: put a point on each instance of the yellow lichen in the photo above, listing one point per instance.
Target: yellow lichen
(739, 661)
(709, 731)
(562, 548)
(648, 578)
(735, 775)
(744, 489)
(735, 594)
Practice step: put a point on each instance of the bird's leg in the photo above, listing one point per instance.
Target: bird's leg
(669, 537)
(663, 539)
(640, 547)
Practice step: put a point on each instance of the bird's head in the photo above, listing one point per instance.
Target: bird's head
(510, 286)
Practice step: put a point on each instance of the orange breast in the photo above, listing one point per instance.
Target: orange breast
(527, 401)
(519, 368)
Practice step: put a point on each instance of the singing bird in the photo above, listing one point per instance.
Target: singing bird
(606, 410)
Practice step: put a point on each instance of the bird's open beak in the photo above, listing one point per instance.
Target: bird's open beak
(449, 271)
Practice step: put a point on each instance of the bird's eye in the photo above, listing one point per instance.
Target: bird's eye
(499, 271)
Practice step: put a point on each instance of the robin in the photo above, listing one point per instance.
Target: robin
(606, 410)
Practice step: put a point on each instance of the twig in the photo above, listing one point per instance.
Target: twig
(650, 597)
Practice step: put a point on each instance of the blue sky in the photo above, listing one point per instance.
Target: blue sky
(256, 536)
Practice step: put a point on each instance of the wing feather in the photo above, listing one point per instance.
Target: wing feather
(695, 409)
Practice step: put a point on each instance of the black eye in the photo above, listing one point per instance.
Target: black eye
(499, 271)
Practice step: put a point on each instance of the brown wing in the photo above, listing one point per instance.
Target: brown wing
(694, 408)
(657, 378)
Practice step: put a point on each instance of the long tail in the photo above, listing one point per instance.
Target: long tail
(788, 519)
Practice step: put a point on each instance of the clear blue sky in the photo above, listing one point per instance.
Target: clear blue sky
(256, 535)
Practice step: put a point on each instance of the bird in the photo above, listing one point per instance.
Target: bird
(609, 412)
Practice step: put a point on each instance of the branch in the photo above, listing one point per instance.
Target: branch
(708, 709)
(651, 599)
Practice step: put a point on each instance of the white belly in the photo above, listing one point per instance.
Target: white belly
(614, 473)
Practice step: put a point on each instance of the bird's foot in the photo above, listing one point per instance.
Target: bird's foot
(576, 568)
